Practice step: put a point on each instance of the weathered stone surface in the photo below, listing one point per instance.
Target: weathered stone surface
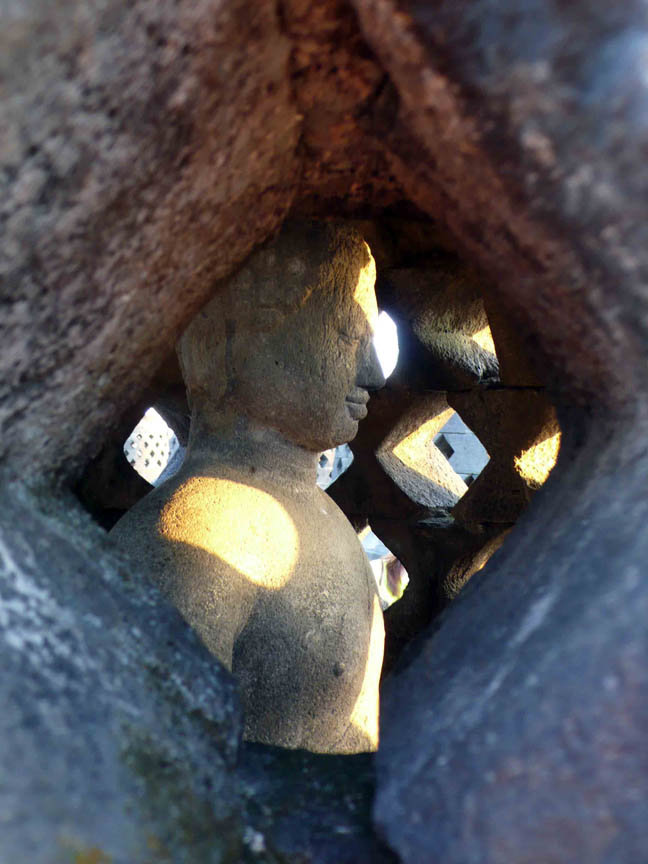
(315, 809)
(118, 733)
(366, 488)
(531, 750)
(237, 539)
(520, 431)
(109, 486)
(527, 704)
(404, 487)
(511, 338)
(518, 124)
(438, 307)
(335, 79)
(408, 455)
(145, 149)
(520, 130)
(440, 556)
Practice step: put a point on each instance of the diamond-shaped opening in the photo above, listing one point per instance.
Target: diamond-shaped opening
(390, 574)
(332, 464)
(153, 449)
(436, 463)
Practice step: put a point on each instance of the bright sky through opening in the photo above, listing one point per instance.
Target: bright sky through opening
(386, 343)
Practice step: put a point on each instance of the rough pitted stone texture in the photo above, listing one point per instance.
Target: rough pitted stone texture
(527, 705)
(237, 539)
(118, 732)
(519, 129)
(439, 308)
(403, 486)
(520, 431)
(365, 488)
(146, 147)
(513, 342)
(336, 80)
(440, 556)
(520, 124)
(527, 753)
(310, 808)
(409, 457)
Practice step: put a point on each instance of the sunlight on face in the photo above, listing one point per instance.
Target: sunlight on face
(239, 524)
(364, 294)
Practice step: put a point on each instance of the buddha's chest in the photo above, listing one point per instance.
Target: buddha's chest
(326, 605)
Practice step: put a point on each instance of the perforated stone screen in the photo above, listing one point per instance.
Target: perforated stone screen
(150, 446)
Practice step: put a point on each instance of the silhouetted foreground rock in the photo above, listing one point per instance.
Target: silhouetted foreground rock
(118, 732)
(527, 704)
(305, 807)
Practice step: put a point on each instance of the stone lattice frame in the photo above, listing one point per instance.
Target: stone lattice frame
(401, 483)
(146, 148)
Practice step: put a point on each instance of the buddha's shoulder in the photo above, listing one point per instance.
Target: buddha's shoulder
(141, 521)
(178, 498)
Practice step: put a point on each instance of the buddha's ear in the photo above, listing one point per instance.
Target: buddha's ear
(202, 352)
(268, 318)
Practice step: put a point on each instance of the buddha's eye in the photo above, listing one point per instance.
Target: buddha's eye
(350, 338)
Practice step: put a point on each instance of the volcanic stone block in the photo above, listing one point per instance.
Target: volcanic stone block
(440, 556)
(412, 460)
(119, 733)
(149, 146)
(520, 431)
(511, 343)
(145, 149)
(308, 807)
(397, 469)
(527, 701)
(438, 308)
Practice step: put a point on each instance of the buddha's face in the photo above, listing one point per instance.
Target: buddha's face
(309, 376)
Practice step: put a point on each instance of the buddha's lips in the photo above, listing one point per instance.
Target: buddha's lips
(357, 405)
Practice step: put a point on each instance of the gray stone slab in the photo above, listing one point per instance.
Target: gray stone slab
(119, 733)
(469, 456)
(527, 703)
(455, 424)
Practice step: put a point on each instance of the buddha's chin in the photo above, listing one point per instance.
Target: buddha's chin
(357, 411)
(352, 426)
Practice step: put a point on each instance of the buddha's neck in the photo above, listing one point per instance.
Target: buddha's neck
(218, 439)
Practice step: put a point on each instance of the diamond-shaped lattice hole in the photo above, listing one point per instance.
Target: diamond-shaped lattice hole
(159, 448)
(390, 575)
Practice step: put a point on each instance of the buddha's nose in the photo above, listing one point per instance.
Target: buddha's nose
(370, 375)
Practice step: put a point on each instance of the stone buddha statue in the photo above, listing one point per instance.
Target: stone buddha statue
(261, 562)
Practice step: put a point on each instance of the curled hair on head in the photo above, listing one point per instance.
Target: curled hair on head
(305, 258)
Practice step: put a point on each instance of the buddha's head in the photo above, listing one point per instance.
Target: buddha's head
(288, 340)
